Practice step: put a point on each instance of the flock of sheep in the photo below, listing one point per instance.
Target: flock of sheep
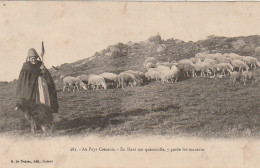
(204, 65)
(212, 65)
(127, 78)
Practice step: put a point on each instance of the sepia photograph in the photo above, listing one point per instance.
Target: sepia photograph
(129, 84)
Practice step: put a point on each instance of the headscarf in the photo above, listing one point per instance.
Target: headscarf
(32, 53)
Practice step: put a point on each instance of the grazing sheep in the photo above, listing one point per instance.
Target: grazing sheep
(200, 68)
(96, 81)
(73, 81)
(235, 57)
(139, 75)
(247, 76)
(110, 78)
(203, 56)
(234, 76)
(251, 61)
(84, 79)
(173, 73)
(127, 79)
(167, 64)
(152, 73)
(206, 64)
(162, 68)
(137, 79)
(142, 75)
(209, 60)
(186, 69)
(240, 65)
(224, 67)
(161, 71)
(207, 67)
(174, 67)
(223, 59)
(186, 61)
(149, 65)
(214, 69)
(214, 56)
(229, 66)
(195, 60)
(156, 73)
(83, 85)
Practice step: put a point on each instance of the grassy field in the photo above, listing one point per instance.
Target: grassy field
(195, 107)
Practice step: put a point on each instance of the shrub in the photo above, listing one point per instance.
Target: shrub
(238, 44)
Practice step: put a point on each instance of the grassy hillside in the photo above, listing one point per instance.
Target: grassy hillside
(120, 57)
(200, 107)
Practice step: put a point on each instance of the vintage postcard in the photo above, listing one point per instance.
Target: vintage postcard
(129, 84)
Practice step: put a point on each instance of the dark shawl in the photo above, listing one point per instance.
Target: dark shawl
(27, 87)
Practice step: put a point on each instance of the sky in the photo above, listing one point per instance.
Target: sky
(76, 30)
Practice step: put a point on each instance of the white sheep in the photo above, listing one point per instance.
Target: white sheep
(235, 57)
(211, 61)
(240, 65)
(152, 73)
(251, 61)
(149, 65)
(199, 67)
(73, 81)
(214, 56)
(97, 81)
(167, 64)
(207, 67)
(156, 73)
(224, 59)
(214, 69)
(234, 76)
(173, 73)
(139, 75)
(247, 76)
(195, 60)
(84, 78)
(125, 79)
(110, 78)
(174, 67)
(223, 67)
(186, 69)
(186, 61)
(162, 70)
(206, 64)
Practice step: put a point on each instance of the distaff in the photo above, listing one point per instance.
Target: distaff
(43, 51)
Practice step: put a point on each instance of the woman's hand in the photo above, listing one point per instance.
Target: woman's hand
(42, 67)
